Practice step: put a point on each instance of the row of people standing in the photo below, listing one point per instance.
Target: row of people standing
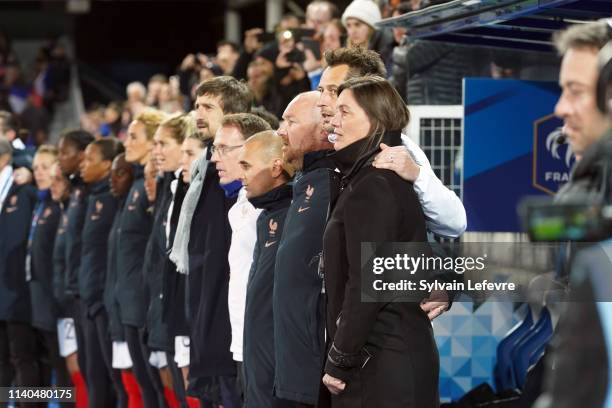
(207, 261)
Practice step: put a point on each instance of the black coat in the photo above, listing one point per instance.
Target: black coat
(101, 209)
(375, 206)
(259, 335)
(299, 305)
(44, 307)
(134, 231)
(173, 290)
(157, 330)
(15, 221)
(117, 332)
(76, 219)
(208, 283)
(62, 301)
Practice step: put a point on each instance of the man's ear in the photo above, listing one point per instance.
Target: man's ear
(277, 168)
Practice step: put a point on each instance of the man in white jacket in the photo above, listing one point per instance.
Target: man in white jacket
(234, 131)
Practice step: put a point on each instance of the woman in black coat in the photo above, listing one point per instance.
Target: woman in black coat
(381, 354)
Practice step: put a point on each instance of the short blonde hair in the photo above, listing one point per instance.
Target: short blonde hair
(181, 125)
(151, 118)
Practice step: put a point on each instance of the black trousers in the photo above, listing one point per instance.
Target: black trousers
(50, 360)
(177, 381)
(100, 376)
(18, 356)
(147, 376)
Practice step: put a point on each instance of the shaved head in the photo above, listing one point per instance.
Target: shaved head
(302, 129)
(262, 163)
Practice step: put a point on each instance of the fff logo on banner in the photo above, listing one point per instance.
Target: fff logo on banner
(552, 155)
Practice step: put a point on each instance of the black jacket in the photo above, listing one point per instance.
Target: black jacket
(173, 290)
(299, 305)
(157, 330)
(258, 319)
(76, 218)
(62, 300)
(374, 206)
(208, 282)
(44, 307)
(101, 209)
(15, 222)
(117, 332)
(134, 231)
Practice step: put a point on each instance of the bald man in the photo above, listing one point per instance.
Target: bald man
(265, 181)
(299, 304)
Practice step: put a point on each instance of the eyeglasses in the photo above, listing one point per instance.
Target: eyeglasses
(222, 150)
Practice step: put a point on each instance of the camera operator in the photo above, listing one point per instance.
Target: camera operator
(577, 367)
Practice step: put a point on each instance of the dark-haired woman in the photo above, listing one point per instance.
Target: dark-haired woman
(101, 208)
(381, 354)
(71, 149)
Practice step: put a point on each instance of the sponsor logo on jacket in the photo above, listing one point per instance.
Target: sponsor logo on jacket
(271, 233)
(132, 206)
(98, 211)
(309, 192)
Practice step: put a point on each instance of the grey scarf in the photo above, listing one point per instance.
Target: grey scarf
(180, 253)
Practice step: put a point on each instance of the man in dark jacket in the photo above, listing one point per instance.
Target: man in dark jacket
(206, 244)
(18, 352)
(101, 208)
(299, 304)
(265, 182)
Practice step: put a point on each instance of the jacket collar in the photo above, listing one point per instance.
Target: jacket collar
(317, 160)
(359, 154)
(100, 186)
(138, 171)
(273, 199)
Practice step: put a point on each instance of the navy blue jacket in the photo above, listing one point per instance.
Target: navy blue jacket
(62, 301)
(157, 329)
(44, 307)
(110, 302)
(101, 209)
(208, 283)
(76, 218)
(258, 320)
(173, 290)
(15, 221)
(134, 231)
(299, 305)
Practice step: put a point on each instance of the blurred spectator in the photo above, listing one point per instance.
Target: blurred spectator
(36, 120)
(194, 69)
(16, 88)
(318, 14)
(112, 124)
(153, 89)
(288, 21)
(267, 116)
(58, 76)
(168, 101)
(136, 96)
(334, 36)
(260, 74)
(360, 18)
(92, 120)
(227, 55)
(399, 32)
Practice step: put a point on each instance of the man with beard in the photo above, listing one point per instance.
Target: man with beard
(300, 346)
(195, 251)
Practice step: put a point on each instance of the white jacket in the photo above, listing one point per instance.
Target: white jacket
(243, 220)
